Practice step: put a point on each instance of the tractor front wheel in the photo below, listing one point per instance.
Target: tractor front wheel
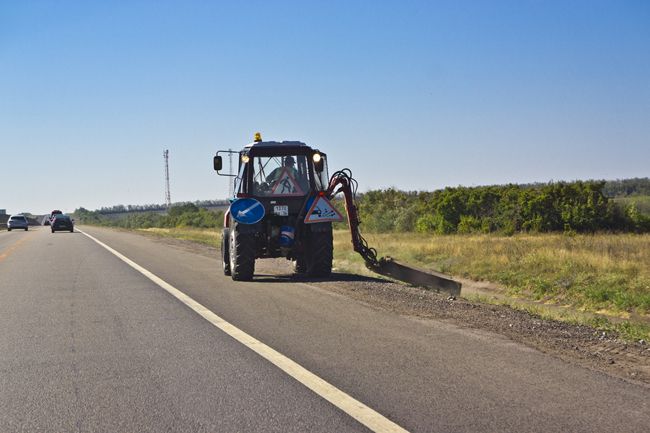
(242, 255)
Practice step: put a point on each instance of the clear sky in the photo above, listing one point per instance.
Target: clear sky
(416, 95)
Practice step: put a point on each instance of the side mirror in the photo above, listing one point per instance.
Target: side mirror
(217, 163)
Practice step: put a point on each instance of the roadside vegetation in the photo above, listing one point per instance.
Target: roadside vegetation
(558, 244)
(179, 216)
(608, 274)
(581, 245)
(209, 237)
(574, 207)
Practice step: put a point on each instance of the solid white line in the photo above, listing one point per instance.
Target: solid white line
(357, 410)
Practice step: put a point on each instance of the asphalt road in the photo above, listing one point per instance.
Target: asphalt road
(90, 344)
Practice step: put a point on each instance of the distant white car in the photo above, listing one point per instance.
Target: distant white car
(17, 222)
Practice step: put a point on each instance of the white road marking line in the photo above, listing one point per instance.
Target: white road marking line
(357, 410)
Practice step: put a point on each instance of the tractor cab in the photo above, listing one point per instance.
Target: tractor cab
(271, 169)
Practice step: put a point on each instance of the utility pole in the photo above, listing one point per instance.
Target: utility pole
(231, 182)
(168, 199)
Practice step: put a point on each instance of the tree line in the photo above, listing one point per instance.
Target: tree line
(120, 208)
(581, 207)
(179, 215)
(638, 186)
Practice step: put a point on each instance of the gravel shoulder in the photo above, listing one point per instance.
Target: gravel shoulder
(577, 344)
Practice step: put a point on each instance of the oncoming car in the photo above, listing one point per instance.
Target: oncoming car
(62, 222)
(17, 222)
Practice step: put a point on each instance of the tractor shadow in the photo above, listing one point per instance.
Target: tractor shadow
(335, 277)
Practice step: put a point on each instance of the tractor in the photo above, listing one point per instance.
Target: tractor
(281, 207)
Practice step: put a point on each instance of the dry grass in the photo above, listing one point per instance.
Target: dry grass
(211, 237)
(591, 272)
(604, 274)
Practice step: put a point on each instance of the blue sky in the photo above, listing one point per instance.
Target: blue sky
(416, 95)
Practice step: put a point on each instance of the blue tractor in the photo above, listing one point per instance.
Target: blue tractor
(279, 208)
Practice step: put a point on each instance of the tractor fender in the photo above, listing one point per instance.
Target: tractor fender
(320, 227)
(249, 228)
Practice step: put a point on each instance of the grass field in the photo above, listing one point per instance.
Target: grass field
(210, 237)
(607, 274)
(594, 272)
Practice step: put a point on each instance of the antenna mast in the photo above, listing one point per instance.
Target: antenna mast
(230, 186)
(168, 200)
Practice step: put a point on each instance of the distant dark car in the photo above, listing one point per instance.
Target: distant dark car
(17, 222)
(62, 222)
(54, 213)
(49, 218)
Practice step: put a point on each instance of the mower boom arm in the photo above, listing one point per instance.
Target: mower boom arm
(385, 266)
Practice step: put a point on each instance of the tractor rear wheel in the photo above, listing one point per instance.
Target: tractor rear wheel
(299, 265)
(242, 255)
(225, 251)
(320, 252)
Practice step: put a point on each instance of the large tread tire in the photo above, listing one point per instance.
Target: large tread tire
(300, 266)
(242, 255)
(320, 254)
(225, 251)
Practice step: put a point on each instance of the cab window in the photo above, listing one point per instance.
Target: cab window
(286, 175)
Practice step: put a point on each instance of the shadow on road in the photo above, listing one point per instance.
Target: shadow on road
(296, 278)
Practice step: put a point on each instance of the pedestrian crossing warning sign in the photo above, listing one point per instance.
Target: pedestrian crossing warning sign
(321, 210)
(286, 185)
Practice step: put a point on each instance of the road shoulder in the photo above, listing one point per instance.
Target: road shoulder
(576, 344)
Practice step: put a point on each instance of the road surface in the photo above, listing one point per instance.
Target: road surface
(165, 342)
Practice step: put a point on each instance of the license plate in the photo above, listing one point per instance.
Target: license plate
(281, 210)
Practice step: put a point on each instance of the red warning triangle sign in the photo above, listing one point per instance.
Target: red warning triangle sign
(322, 211)
(286, 185)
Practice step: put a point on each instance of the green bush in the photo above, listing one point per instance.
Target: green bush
(469, 224)
(574, 207)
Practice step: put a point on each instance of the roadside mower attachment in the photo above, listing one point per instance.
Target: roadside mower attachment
(431, 280)
(386, 265)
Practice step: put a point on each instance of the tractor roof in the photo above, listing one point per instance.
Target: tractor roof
(266, 144)
(271, 148)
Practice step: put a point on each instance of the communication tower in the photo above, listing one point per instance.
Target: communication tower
(230, 184)
(168, 199)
